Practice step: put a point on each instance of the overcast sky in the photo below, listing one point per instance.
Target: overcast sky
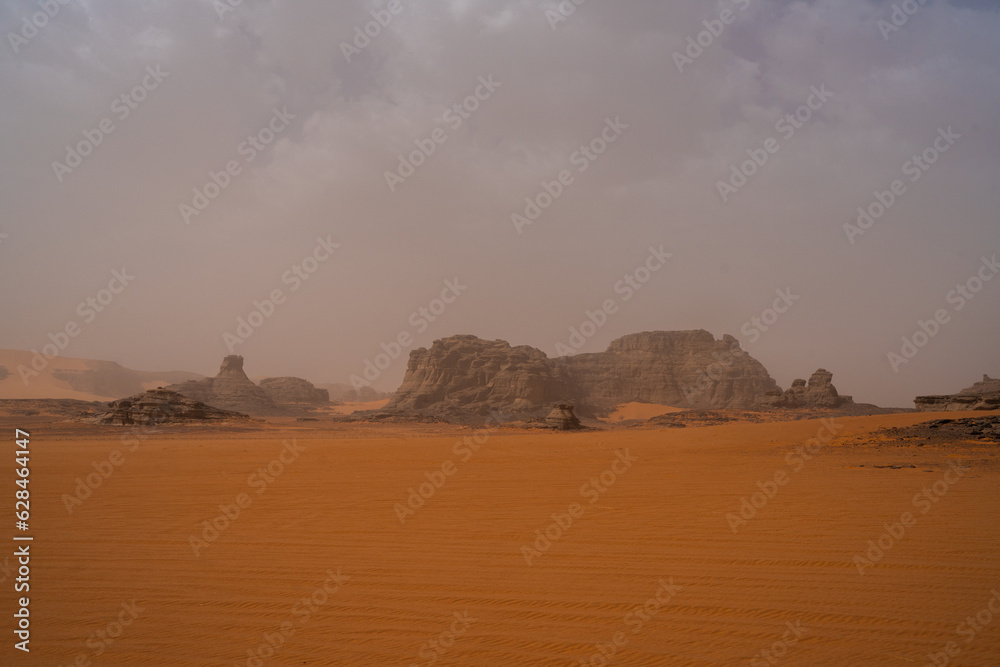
(339, 108)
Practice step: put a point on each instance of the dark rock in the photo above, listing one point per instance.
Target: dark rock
(161, 406)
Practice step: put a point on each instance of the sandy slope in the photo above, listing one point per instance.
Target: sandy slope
(44, 385)
(635, 410)
(349, 408)
(663, 518)
(96, 381)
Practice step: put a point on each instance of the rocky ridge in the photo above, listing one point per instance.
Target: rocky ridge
(464, 378)
(983, 395)
(161, 406)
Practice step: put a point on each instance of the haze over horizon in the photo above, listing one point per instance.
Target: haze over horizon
(308, 118)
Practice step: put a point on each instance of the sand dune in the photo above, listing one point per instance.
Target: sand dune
(661, 524)
(80, 379)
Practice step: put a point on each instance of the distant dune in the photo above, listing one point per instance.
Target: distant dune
(80, 379)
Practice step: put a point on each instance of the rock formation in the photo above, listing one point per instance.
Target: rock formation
(684, 369)
(289, 390)
(819, 392)
(345, 393)
(231, 389)
(107, 378)
(467, 376)
(160, 406)
(983, 395)
(562, 418)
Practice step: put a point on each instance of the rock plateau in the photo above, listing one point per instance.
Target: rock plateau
(983, 395)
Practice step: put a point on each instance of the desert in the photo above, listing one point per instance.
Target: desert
(168, 532)
(499, 333)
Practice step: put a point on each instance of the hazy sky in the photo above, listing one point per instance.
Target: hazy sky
(199, 79)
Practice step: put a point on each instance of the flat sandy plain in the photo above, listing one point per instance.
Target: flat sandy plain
(319, 565)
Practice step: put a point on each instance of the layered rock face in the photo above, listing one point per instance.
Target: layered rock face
(161, 406)
(287, 390)
(231, 389)
(465, 375)
(819, 392)
(685, 369)
(562, 418)
(983, 395)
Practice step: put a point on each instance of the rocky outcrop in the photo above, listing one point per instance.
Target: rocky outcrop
(231, 389)
(465, 375)
(983, 395)
(819, 392)
(161, 406)
(289, 390)
(562, 418)
(684, 369)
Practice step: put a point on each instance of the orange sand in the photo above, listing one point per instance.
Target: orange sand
(643, 411)
(662, 519)
(348, 408)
